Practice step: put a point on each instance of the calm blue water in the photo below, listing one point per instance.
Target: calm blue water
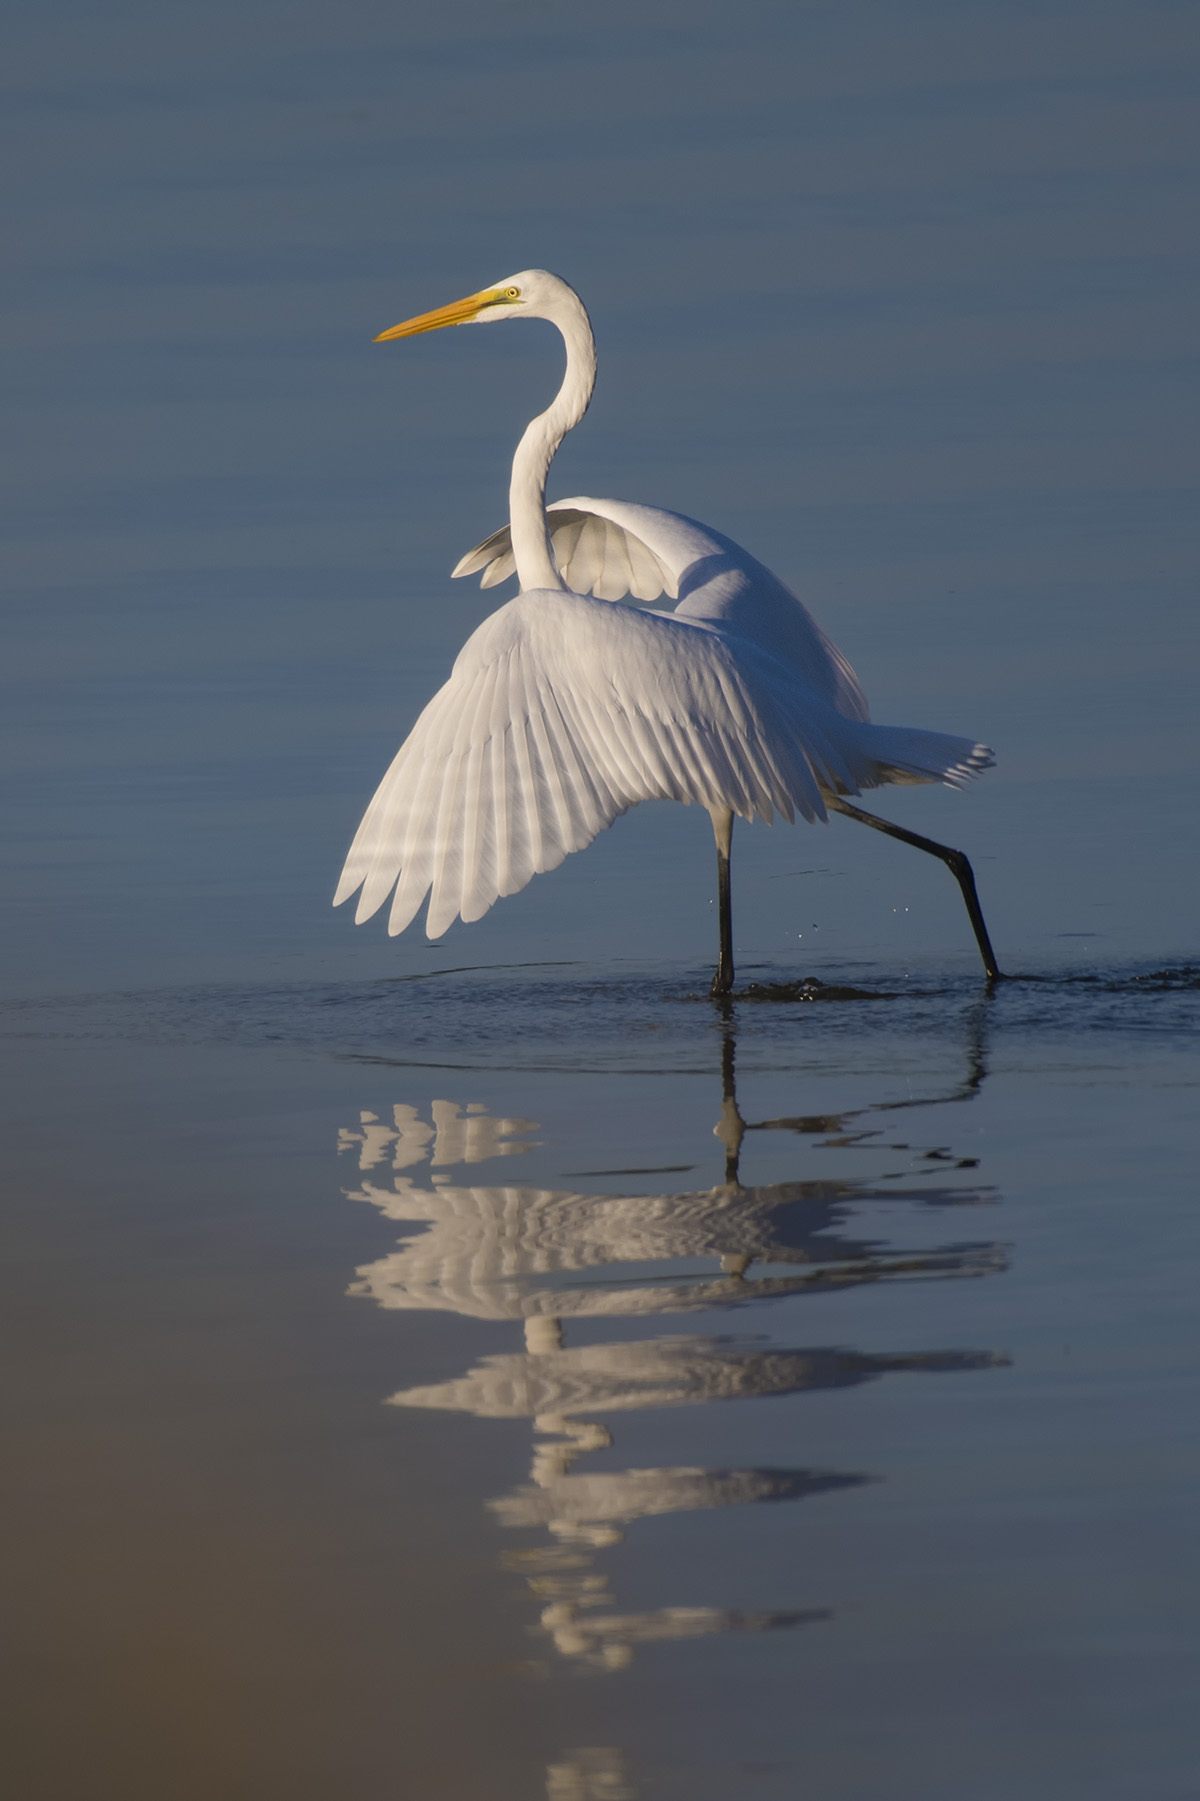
(409, 1393)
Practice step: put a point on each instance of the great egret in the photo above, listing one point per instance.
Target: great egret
(568, 706)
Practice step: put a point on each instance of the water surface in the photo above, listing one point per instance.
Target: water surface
(698, 1400)
(487, 1369)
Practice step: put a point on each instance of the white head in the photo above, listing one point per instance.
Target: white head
(532, 294)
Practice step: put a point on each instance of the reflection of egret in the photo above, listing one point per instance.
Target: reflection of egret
(541, 1256)
(456, 1135)
(595, 1774)
(552, 1385)
(566, 708)
(662, 1372)
(593, 1509)
(608, 1640)
(510, 1252)
(583, 1505)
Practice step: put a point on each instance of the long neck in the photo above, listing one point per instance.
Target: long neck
(535, 452)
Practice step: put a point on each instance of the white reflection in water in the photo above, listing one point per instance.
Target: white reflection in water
(541, 1257)
(511, 1253)
(469, 1135)
(592, 1775)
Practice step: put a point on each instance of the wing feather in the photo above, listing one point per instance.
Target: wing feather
(531, 811)
(563, 711)
(560, 714)
(612, 757)
(399, 805)
(503, 773)
(554, 805)
(484, 553)
(648, 579)
(611, 548)
(564, 540)
(416, 827)
(445, 875)
(616, 576)
(477, 869)
(500, 570)
(587, 558)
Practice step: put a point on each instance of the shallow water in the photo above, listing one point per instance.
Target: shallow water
(492, 1370)
(521, 1382)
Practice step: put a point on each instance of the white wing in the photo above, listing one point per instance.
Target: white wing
(594, 554)
(611, 548)
(561, 712)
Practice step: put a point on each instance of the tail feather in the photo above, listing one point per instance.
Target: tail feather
(904, 755)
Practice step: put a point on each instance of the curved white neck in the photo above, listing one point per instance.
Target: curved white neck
(535, 452)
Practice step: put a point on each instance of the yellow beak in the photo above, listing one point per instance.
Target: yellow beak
(459, 312)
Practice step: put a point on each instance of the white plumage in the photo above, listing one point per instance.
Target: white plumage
(569, 705)
(594, 553)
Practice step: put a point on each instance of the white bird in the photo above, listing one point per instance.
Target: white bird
(569, 705)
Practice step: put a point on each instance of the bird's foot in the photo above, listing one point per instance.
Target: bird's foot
(722, 982)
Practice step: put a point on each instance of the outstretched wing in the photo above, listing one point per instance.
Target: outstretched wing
(595, 555)
(561, 712)
(611, 548)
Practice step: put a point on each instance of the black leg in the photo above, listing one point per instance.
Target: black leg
(732, 1128)
(955, 862)
(723, 832)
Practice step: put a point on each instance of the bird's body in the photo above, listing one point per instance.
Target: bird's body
(569, 705)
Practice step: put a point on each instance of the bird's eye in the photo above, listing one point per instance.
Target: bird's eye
(512, 293)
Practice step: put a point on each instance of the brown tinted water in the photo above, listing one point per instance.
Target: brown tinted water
(529, 1381)
(666, 1402)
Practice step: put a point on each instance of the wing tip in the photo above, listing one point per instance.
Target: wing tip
(981, 757)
